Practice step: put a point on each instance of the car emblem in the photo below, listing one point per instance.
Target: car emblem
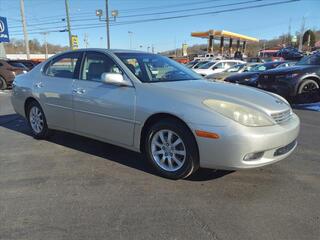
(265, 76)
(279, 101)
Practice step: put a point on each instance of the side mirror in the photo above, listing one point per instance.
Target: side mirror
(115, 79)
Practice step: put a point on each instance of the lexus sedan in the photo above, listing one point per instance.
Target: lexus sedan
(179, 120)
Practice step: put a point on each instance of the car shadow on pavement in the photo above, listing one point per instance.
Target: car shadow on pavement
(100, 149)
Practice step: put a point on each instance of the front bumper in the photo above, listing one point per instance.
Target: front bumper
(237, 141)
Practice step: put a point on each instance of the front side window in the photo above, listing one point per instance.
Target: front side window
(64, 66)
(95, 64)
(156, 68)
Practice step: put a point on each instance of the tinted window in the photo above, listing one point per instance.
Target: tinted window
(95, 64)
(64, 66)
(311, 60)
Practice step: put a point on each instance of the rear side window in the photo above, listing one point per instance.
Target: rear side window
(65, 66)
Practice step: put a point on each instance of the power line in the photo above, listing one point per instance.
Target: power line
(92, 26)
(148, 14)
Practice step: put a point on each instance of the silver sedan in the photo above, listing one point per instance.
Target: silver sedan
(151, 104)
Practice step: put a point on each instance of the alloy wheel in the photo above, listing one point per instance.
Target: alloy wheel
(36, 119)
(168, 150)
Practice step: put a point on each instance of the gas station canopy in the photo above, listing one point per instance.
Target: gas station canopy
(212, 35)
(225, 34)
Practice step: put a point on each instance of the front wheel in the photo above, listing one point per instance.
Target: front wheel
(171, 149)
(37, 121)
(308, 91)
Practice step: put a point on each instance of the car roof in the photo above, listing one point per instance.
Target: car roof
(107, 50)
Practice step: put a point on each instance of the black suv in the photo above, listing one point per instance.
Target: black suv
(300, 82)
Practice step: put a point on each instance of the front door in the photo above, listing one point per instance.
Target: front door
(54, 89)
(103, 110)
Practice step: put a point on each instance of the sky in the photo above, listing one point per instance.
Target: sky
(263, 23)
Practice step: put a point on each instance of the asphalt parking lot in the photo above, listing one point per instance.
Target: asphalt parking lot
(71, 187)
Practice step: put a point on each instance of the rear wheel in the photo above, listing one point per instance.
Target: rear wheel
(3, 84)
(37, 120)
(171, 149)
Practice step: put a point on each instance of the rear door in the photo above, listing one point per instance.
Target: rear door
(54, 89)
(102, 110)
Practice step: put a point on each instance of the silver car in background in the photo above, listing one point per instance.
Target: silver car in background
(151, 104)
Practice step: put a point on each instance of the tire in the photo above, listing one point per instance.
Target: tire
(183, 156)
(308, 91)
(37, 121)
(3, 84)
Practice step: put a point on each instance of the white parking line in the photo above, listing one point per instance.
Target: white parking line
(5, 91)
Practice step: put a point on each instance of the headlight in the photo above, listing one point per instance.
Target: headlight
(241, 114)
(24, 71)
(292, 75)
(252, 78)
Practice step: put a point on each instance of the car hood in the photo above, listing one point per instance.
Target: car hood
(292, 69)
(204, 89)
(220, 76)
(241, 76)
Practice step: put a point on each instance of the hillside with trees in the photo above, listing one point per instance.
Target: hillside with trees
(17, 46)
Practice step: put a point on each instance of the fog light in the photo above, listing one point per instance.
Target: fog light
(253, 156)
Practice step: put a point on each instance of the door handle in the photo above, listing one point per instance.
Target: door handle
(79, 91)
(38, 85)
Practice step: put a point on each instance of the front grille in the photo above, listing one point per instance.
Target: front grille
(281, 117)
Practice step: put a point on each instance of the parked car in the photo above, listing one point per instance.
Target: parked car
(301, 80)
(8, 71)
(250, 77)
(176, 118)
(239, 68)
(289, 53)
(216, 66)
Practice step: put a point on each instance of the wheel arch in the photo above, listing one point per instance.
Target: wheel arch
(27, 102)
(156, 118)
(311, 77)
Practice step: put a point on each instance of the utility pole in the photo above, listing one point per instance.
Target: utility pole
(289, 33)
(301, 33)
(45, 43)
(107, 24)
(24, 26)
(130, 39)
(68, 23)
(85, 40)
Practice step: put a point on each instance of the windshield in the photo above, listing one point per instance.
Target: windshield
(207, 65)
(263, 67)
(16, 64)
(310, 60)
(235, 68)
(199, 64)
(156, 68)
